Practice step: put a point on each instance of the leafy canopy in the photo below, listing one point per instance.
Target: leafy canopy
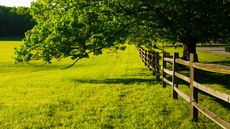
(70, 29)
(75, 28)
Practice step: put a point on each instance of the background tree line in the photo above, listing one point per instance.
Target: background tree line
(15, 21)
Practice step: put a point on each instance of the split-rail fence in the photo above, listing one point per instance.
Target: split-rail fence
(152, 60)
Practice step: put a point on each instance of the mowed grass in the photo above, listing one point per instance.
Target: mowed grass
(110, 91)
(216, 81)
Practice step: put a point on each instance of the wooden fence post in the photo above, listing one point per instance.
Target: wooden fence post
(152, 62)
(140, 52)
(193, 92)
(147, 58)
(163, 73)
(174, 78)
(157, 65)
(145, 55)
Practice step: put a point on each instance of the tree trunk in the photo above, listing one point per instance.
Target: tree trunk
(189, 48)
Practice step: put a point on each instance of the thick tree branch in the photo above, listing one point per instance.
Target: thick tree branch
(72, 63)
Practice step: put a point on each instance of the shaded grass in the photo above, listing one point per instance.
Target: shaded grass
(215, 81)
(219, 81)
(111, 91)
(124, 81)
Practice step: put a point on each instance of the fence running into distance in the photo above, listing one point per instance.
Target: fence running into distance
(152, 59)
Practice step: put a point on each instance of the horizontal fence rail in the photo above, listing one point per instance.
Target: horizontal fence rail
(210, 91)
(151, 60)
(212, 68)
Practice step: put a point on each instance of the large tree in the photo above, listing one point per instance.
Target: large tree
(186, 21)
(75, 28)
(70, 29)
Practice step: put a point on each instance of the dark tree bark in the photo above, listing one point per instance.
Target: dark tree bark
(189, 48)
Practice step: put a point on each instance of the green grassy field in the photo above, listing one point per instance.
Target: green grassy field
(111, 91)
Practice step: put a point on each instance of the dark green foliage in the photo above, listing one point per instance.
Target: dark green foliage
(70, 29)
(75, 28)
(184, 21)
(15, 21)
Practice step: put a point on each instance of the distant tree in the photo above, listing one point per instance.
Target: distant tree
(15, 21)
(25, 20)
(4, 16)
(75, 28)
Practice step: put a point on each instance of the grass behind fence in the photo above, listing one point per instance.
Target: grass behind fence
(114, 90)
(215, 81)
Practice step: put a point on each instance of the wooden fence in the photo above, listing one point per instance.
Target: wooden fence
(151, 60)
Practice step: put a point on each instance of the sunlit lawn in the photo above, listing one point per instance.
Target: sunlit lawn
(113, 90)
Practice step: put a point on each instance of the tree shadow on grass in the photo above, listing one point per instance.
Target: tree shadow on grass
(225, 62)
(126, 81)
(209, 78)
(213, 78)
(217, 100)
